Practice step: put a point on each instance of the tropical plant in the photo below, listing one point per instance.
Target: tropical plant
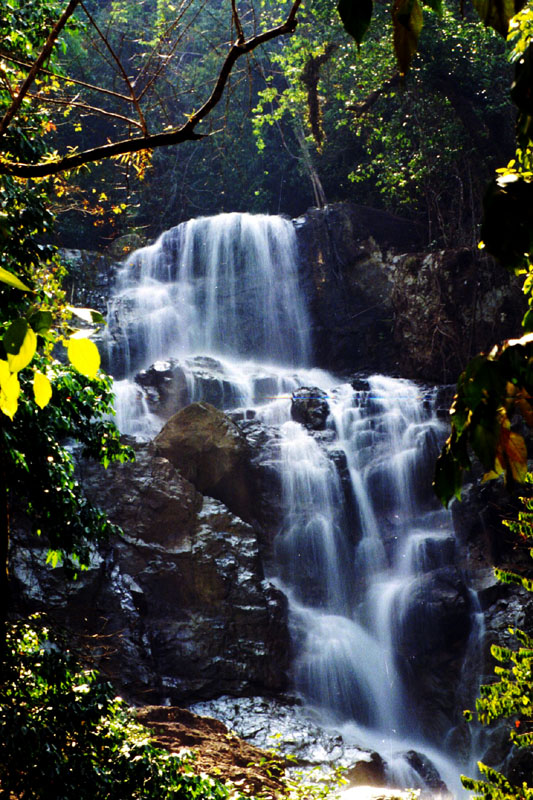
(66, 736)
(510, 696)
(44, 403)
(497, 385)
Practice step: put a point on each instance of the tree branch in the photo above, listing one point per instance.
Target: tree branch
(121, 69)
(149, 142)
(43, 55)
(62, 101)
(5, 54)
(373, 97)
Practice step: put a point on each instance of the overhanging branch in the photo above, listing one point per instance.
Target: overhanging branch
(164, 138)
(32, 74)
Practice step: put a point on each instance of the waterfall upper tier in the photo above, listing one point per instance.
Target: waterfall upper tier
(223, 285)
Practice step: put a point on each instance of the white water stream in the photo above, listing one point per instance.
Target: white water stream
(357, 544)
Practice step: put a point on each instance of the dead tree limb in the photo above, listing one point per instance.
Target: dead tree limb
(186, 132)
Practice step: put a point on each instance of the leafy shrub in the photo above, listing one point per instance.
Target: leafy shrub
(511, 695)
(64, 735)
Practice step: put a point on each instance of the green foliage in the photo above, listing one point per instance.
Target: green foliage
(510, 696)
(300, 782)
(497, 385)
(41, 467)
(65, 736)
(46, 405)
(489, 392)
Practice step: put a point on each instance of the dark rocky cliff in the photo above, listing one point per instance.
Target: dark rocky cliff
(383, 303)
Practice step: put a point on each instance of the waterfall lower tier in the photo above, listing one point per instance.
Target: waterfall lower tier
(380, 616)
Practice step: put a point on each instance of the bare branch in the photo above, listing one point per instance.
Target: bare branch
(237, 22)
(65, 101)
(373, 97)
(149, 142)
(34, 71)
(5, 54)
(156, 50)
(121, 69)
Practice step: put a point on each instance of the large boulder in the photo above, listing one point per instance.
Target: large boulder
(209, 450)
(178, 607)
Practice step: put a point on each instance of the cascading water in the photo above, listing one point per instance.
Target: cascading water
(363, 551)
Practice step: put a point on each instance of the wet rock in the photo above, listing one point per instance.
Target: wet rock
(432, 625)
(171, 385)
(90, 277)
(179, 604)
(264, 454)
(310, 407)
(285, 725)
(382, 303)
(367, 773)
(210, 451)
(165, 387)
(427, 771)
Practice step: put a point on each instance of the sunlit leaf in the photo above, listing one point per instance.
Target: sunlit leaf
(83, 354)
(54, 558)
(20, 359)
(12, 280)
(42, 389)
(516, 452)
(524, 405)
(9, 390)
(87, 314)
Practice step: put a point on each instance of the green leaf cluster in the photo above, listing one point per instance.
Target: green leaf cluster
(45, 405)
(510, 696)
(490, 391)
(64, 735)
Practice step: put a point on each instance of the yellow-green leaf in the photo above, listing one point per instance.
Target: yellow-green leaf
(4, 373)
(407, 20)
(9, 393)
(18, 361)
(83, 354)
(12, 280)
(87, 314)
(42, 389)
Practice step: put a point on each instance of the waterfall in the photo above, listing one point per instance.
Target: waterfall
(226, 285)
(364, 554)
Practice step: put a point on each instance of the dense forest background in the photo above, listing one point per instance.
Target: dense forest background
(306, 120)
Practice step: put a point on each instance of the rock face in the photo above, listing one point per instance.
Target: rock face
(382, 303)
(485, 543)
(180, 600)
(218, 752)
